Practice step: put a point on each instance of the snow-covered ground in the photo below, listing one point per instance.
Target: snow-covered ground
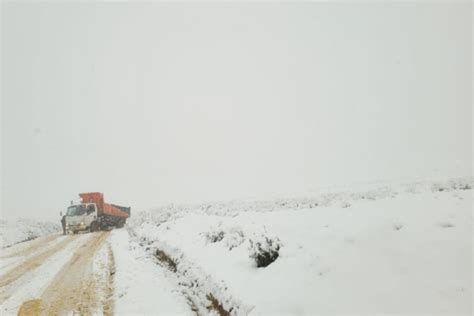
(403, 249)
(13, 232)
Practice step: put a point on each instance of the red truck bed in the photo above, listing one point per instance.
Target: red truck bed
(102, 207)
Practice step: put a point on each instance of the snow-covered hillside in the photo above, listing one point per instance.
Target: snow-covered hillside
(12, 232)
(402, 249)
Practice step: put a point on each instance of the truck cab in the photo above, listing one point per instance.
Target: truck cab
(80, 217)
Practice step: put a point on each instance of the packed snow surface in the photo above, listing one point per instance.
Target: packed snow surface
(13, 232)
(402, 249)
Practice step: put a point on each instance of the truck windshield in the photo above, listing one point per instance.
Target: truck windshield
(75, 210)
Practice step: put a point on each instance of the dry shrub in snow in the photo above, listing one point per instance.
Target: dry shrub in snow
(215, 236)
(397, 226)
(167, 260)
(446, 224)
(231, 237)
(452, 185)
(264, 250)
(216, 306)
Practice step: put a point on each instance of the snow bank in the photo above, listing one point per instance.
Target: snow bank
(141, 288)
(13, 232)
(402, 249)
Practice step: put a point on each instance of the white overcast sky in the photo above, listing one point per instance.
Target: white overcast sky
(153, 103)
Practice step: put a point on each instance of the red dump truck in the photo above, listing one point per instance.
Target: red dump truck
(93, 214)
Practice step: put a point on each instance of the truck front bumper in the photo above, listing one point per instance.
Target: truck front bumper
(76, 228)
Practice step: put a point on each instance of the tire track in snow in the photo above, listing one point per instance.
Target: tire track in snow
(75, 287)
(108, 306)
(32, 263)
(30, 285)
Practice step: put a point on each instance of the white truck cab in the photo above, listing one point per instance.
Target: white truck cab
(79, 217)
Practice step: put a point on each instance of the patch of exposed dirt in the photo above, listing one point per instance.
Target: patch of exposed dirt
(30, 308)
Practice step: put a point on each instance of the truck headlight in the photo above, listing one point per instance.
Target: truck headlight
(82, 223)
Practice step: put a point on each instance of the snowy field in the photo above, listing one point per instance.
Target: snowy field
(13, 232)
(403, 249)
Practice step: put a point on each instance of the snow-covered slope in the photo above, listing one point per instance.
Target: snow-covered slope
(404, 249)
(12, 232)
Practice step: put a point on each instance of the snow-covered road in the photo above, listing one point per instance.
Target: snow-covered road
(93, 273)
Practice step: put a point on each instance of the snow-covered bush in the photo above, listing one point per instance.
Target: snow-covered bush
(454, 184)
(264, 250)
(234, 238)
(214, 236)
(231, 237)
(446, 224)
(397, 226)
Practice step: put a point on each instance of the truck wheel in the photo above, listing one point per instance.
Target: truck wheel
(94, 227)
